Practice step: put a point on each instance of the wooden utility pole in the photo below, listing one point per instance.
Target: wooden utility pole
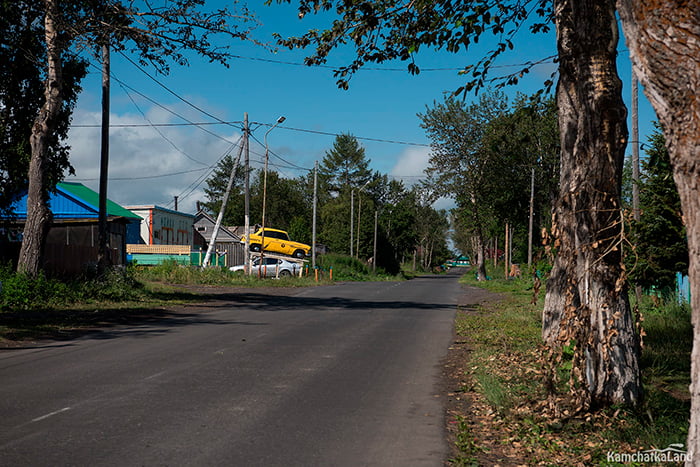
(313, 222)
(352, 215)
(636, 214)
(103, 256)
(507, 251)
(246, 225)
(374, 250)
(532, 211)
(635, 148)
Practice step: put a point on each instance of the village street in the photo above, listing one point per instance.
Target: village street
(347, 374)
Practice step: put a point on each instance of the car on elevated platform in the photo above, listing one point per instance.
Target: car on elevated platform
(277, 241)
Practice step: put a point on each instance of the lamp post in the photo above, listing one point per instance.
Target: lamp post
(262, 228)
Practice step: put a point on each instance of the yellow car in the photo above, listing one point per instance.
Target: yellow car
(277, 241)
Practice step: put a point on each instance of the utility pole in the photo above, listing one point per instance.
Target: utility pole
(264, 203)
(217, 226)
(103, 257)
(246, 225)
(635, 148)
(507, 250)
(532, 210)
(635, 164)
(359, 213)
(313, 222)
(374, 251)
(352, 215)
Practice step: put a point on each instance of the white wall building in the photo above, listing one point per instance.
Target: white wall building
(161, 226)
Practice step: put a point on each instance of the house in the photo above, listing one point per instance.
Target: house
(71, 244)
(227, 242)
(162, 226)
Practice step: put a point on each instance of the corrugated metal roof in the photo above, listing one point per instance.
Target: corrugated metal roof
(82, 193)
(72, 201)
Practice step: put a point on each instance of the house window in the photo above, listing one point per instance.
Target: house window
(201, 228)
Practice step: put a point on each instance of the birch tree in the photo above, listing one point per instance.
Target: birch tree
(664, 42)
(158, 33)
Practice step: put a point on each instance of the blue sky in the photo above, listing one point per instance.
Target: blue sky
(151, 165)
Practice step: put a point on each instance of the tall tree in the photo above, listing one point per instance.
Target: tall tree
(663, 41)
(661, 248)
(460, 160)
(586, 302)
(216, 188)
(524, 139)
(286, 203)
(21, 93)
(592, 126)
(157, 34)
(345, 165)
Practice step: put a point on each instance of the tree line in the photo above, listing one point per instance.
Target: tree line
(350, 197)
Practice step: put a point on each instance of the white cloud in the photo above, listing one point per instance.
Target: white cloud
(410, 167)
(412, 162)
(140, 156)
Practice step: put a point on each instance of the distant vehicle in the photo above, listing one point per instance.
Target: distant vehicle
(457, 262)
(272, 267)
(278, 241)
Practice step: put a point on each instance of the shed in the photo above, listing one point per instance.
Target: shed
(226, 241)
(71, 244)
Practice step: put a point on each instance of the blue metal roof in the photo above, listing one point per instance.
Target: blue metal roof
(65, 203)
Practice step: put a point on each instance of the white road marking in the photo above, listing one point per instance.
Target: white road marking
(44, 417)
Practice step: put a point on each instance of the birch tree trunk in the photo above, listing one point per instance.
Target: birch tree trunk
(596, 316)
(664, 42)
(38, 213)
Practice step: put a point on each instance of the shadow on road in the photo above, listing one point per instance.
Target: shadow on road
(23, 329)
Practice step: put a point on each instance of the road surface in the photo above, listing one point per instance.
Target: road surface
(343, 375)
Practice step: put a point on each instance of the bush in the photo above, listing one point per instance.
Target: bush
(21, 292)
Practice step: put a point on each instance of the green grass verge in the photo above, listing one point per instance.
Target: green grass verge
(505, 371)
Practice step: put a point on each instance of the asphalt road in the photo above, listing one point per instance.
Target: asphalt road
(342, 375)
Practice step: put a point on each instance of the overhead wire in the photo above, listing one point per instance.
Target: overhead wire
(218, 121)
(160, 132)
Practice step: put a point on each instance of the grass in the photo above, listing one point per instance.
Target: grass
(512, 419)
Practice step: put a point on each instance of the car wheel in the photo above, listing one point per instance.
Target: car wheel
(255, 247)
(299, 254)
(285, 273)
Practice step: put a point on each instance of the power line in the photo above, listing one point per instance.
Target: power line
(403, 70)
(122, 83)
(152, 78)
(301, 130)
(280, 158)
(146, 177)
(364, 138)
(160, 132)
(136, 125)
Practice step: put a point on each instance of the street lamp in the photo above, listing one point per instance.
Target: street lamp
(267, 158)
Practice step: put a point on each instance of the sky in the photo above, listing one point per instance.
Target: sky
(156, 153)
